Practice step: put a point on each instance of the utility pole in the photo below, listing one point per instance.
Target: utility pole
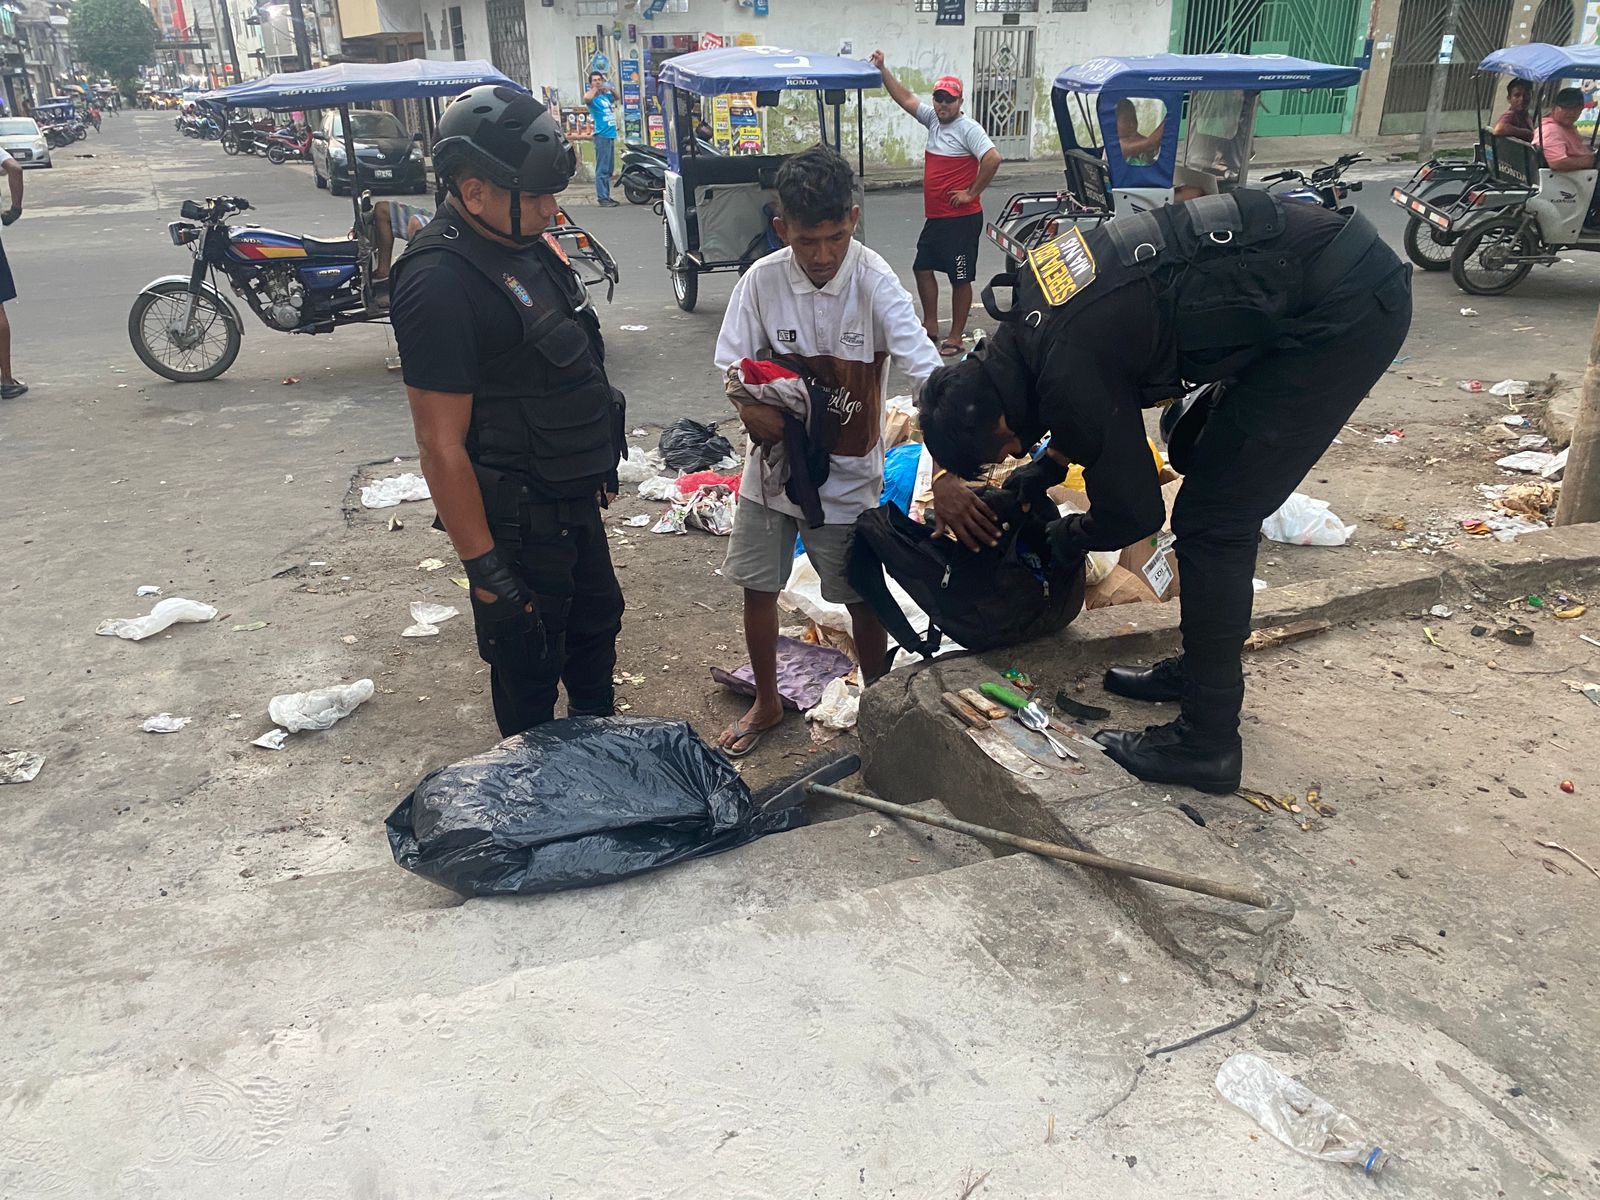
(1580, 484)
(229, 49)
(1441, 76)
(302, 44)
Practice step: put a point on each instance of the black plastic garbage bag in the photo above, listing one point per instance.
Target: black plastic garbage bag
(691, 446)
(574, 803)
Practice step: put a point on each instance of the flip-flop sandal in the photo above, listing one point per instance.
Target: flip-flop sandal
(740, 733)
(949, 349)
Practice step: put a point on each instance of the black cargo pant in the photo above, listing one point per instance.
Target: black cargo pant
(560, 551)
(1267, 432)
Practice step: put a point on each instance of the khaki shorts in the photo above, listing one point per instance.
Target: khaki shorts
(761, 552)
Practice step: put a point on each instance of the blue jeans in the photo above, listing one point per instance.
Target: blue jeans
(604, 159)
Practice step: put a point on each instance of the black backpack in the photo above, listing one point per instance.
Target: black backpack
(997, 596)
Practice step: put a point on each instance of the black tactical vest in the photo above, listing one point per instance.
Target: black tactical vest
(544, 417)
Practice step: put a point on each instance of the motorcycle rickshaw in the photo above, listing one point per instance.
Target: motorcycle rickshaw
(1121, 121)
(716, 210)
(1523, 214)
(183, 327)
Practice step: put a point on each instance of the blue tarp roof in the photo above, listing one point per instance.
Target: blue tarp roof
(764, 69)
(360, 83)
(1145, 74)
(1540, 61)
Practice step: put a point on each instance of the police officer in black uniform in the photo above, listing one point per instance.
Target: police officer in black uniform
(519, 429)
(1298, 310)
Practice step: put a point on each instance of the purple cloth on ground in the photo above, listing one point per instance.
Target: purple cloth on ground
(804, 670)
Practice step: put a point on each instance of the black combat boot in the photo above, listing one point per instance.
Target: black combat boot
(1201, 749)
(1155, 684)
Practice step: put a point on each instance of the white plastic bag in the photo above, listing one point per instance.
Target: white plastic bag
(659, 487)
(427, 618)
(638, 466)
(319, 709)
(1097, 565)
(1533, 462)
(168, 612)
(838, 707)
(1306, 521)
(1295, 1115)
(164, 723)
(386, 493)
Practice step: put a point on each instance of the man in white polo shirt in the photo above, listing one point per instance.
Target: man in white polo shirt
(960, 162)
(834, 311)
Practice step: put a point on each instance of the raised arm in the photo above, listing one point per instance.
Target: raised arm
(903, 96)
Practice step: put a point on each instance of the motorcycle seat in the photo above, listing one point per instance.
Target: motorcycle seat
(343, 248)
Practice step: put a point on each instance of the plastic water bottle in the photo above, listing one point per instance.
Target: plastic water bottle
(1295, 1115)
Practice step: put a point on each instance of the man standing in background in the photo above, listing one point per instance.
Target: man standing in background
(960, 162)
(602, 101)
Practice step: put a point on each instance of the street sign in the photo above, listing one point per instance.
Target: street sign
(1447, 49)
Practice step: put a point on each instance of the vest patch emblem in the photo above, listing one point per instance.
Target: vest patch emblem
(1063, 267)
(521, 293)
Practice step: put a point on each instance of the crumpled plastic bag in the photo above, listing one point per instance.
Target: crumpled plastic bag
(706, 508)
(1097, 565)
(164, 723)
(688, 445)
(1533, 462)
(573, 803)
(427, 618)
(638, 466)
(1306, 521)
(20, 766)
(838, 707)
(659, 487)
(319, 709)
(171, 611)
(386, 493)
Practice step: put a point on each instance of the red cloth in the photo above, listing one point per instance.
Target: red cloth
(943, 174)
(689, 484)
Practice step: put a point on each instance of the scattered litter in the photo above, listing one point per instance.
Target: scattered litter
(1295, 1115)
(1305, 521)
(1532, 462)
(349, 639)
(804, 672)
(428, 617)
(1532, 500)
(1388, 439)
(706, 508)
(288, 478)
(1516, 421)
(1442, 612)
(147, 589)
(1568, 786)
(1591, 690)
(1470, 385)
(290, 380)
(460, 581)
(164, 723)
(1469, 312)
(1259, 799)
(875, 831)
(638, 466)
(1533, 600)
(386, 493)
(1402, 360)
(319, 709)
(273, 739)
(637, 432)
(431, 564)
(1516, 635)
(660, 487)
(688, 445)
(1532, 441)
(838, 707)
(1581, 637)
(1557, 467)
(633, 328)
(1510, 387)
(396, 524)
(638, 520)
(19, 766)
(171, 611)
(1258, 585)
(1576, 610)
(1572, 854)
(1433, 640)
(1282, 635)
(16, 700)
(250, 628)
(316, 562)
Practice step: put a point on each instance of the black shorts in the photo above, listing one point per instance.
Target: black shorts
(950, 244)
(8, 286)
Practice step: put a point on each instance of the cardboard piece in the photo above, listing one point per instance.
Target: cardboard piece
(1147, 571)
(1122, 586)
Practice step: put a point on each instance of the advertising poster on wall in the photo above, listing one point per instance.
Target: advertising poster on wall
(632, 99)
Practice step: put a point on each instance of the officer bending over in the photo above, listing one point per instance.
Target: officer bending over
(1299, 309)
(519, 429)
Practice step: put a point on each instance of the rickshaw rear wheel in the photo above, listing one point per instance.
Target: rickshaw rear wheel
(1479, 263)
(1422, 243)
(685, 284)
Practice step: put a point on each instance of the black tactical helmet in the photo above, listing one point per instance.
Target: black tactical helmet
(511, 134)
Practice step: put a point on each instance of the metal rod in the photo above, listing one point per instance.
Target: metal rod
(1175, 879)
(861, 144)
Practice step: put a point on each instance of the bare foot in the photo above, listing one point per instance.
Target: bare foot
(744, 735)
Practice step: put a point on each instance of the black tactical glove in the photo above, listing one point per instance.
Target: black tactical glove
(514, 601)
(9, 217)
(1032, 481)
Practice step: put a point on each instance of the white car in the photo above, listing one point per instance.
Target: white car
(20, 138)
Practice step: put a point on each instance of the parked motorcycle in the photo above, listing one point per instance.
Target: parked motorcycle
(289, 143)
(1323, 186)
(244, 137)
(644, 170)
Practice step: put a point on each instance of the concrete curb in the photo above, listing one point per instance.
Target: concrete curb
(913, 749)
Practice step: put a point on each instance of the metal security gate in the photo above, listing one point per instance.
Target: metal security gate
(1002, 87)
(1480, 28)
(508, 39)
(1553, 23)
(1329, 31)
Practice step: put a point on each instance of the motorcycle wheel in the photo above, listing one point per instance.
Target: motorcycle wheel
(230, 144)
(1422, 243)
(204, 351)
(79, 134)
(635, 195)
(276, 156)
(685, 284)
(1479, 265)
